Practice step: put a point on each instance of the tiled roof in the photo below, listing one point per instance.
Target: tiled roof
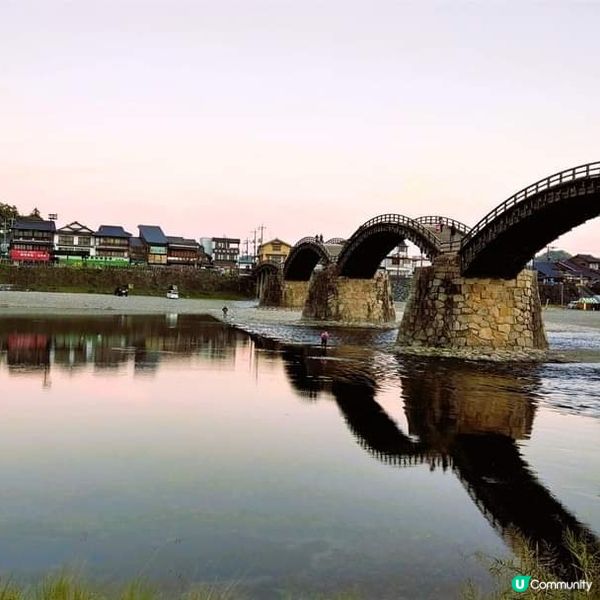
(173, 239)
(152, 234)
(547, 268)
(586, 257)
(577, 270)
(112, 231)
(34, 225)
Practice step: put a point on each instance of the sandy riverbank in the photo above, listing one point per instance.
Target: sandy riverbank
(23, 303)
(240, 311)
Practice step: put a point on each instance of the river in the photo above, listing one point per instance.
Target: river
(180, 449)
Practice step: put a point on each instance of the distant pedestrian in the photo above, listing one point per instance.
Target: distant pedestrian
(324, 339)
(224, 309)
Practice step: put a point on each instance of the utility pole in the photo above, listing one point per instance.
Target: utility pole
(254, 246)
(262, 230)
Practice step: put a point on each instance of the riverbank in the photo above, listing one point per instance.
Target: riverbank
(561, 325)
(32, 303)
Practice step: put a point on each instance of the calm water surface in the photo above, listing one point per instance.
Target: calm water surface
(181, 450)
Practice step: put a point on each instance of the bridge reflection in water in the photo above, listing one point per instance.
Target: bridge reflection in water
(461, 417)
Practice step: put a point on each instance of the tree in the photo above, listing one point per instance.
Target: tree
(553, 255)
(7, 212)
(35, 213)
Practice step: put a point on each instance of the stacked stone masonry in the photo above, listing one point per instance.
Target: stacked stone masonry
(349, 300)
(448, 310)
(294, 294)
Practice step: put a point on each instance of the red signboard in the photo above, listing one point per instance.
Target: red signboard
(32, 255)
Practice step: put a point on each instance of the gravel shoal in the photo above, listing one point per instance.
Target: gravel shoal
(240, 312)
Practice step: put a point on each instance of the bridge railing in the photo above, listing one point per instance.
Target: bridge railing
(307, 239)
(452, 246)
(447, 221)
(573, 174)
(339, 241)
(401, 220)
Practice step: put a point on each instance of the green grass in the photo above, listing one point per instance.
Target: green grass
(69, 586)
(585, 560)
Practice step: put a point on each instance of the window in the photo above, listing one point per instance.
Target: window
(65, 240)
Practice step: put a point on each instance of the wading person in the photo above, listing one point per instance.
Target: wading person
(224, 309)
(324, 339)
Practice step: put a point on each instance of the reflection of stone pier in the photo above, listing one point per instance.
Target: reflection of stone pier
(461, 417)
(350, 300)
(448, 310)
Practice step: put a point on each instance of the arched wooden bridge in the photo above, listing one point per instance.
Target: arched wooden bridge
(499, 246)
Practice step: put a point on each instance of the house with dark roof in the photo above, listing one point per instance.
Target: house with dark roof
(137, 251)
(548, 272)
(112, 245)
(32, 240)
(576, 271)
(182, 251)
(587, 261)
(155, 243)
(73, 243)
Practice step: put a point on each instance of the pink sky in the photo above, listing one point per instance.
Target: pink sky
(210, 118)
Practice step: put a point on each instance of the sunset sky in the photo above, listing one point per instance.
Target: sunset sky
(212, 117)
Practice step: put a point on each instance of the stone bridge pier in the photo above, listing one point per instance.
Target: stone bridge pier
(350, 300)
(269, 288)
(446, 309)
(294, 294)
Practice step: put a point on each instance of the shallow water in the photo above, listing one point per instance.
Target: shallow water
(182, 450)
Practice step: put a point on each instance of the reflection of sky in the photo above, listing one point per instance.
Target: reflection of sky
(217, 469)
(563, 452)
(252, 481)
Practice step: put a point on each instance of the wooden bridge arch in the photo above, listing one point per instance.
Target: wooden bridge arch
(303, 258)
(373, 241)
(502, 243)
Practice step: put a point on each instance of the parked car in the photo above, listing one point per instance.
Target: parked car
(173, 292)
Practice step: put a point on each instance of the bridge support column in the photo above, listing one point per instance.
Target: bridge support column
(467, 313)
(334, 298)
(269, 290)
(294, 294)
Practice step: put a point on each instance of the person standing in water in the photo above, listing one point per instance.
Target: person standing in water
(224, 309)
(324, 339)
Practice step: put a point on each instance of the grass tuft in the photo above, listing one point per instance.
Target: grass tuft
(585, 563)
